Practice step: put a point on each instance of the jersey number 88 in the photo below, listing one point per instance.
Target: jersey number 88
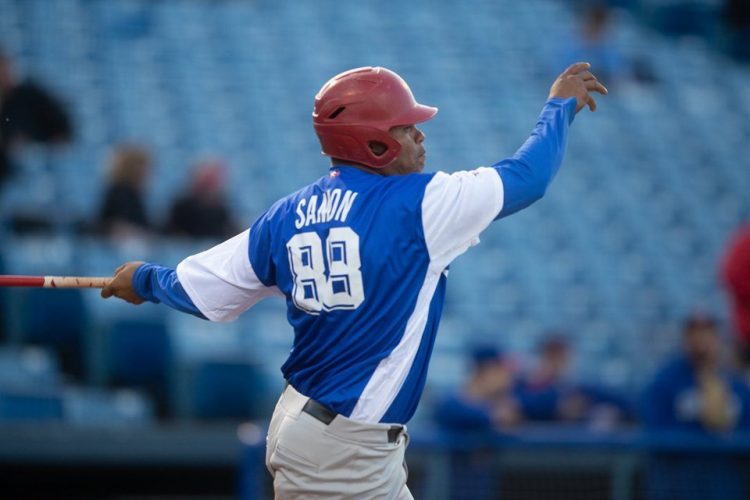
(317, 288)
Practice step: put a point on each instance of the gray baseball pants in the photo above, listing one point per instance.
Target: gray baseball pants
(340, 460)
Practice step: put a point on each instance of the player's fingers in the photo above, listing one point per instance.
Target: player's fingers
(586, 76)
(120, 268)
(596, 86)
(576, 68)
(131, 298)
(592, 103)
(106, 292)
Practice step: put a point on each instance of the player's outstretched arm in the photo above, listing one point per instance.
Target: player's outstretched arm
(217, 284)
(138, 282)
(527, 174)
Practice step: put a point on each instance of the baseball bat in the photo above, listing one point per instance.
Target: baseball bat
(10, 280)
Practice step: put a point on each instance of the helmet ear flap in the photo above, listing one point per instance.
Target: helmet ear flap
(387, 150)
(353, 143)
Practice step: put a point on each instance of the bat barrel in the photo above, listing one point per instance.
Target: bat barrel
(54, 281)
(22, 281)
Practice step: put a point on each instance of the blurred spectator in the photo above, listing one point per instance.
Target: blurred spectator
(486, 401)
(4, 161)
(28, 113)
(737, 17)
(736, 275)
(485, 404)
(696, 390)
(548, 394)
(122, 212)
(202, 211)
(594, 43)
(684, 17)
(695, 393)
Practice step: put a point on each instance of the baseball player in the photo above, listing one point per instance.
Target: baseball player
(361, 258)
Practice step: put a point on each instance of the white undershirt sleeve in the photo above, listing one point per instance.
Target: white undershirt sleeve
(456, 208)
(221, 281)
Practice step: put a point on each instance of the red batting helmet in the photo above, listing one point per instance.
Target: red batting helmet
(358, 107)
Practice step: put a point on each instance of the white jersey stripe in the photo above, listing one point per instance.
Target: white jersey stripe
(388, 378)
(455, 209)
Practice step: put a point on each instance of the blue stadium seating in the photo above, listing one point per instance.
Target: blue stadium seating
(226, 390)
(139, 354)
(28, 369)
(56, 319)
(16, 407)
(30, 385)
(624, 244)
(96, 407)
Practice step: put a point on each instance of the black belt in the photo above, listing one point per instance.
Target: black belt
(317, 410)
(326, 415)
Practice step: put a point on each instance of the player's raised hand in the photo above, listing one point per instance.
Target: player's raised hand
(122, 284)
(577, 81)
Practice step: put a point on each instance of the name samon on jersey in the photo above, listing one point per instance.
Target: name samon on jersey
(331, 206)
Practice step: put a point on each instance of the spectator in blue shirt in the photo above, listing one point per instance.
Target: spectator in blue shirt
(595, 41)
(548, 394)
(486, 401)
(486, 404)
(696, 392)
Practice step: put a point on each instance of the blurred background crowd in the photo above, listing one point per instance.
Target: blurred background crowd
(135, 130)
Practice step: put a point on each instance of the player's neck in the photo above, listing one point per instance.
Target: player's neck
(343, 163)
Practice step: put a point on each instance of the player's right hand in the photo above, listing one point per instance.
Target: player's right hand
(577, 81)
(121, 285)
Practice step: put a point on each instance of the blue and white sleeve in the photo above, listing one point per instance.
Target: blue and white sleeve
(456, 208)
(221, 281)
(160, 284)
(218, 284)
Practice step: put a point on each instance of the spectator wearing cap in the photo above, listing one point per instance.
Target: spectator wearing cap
(696, 392)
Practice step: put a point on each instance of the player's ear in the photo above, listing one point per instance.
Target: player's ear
(378, 148)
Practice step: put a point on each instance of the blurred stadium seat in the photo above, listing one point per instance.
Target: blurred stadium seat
(96, 407)
(138, 353)
(29, 385)
(28, 369)
(19, 407)
(57, 319)
(228, 390)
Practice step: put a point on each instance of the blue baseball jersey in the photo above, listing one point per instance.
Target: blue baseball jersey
(361, 260)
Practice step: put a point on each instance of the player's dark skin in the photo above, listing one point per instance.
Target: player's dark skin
(576, 81)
